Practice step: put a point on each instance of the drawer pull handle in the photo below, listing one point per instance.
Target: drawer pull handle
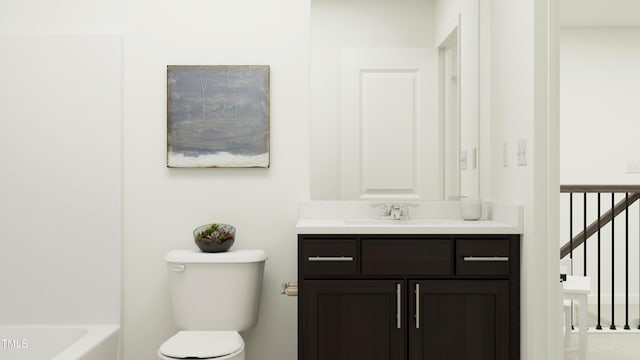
(398, 304)
(487, 258)
(330, 258)
(417, 306)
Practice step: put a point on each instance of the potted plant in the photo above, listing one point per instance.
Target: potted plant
(214, 237)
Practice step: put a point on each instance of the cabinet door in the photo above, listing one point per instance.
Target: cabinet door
(347, 320)
(459, 320)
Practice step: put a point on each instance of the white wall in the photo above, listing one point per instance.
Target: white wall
(519, 105)
(162, 206)
(61, 178)
(511, 109)
(511, 97)
(355, 23)
(600, 81)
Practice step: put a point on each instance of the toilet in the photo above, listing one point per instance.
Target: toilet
(213, 297)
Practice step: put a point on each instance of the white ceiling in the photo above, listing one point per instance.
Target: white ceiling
(599, 12)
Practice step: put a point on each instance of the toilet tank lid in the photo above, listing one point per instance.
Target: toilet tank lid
(196, 256)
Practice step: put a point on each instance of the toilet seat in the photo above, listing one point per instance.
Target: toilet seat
(202, 345)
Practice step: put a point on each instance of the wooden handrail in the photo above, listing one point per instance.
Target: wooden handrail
(604, 218)
(600, 188)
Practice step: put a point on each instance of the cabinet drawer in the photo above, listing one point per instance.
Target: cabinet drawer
(407, 257)
(330, 257)
(482, 257)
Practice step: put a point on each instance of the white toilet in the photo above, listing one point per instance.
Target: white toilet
(213, 296)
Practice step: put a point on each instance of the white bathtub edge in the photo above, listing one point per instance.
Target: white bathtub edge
(92, 345)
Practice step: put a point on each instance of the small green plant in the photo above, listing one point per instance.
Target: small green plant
(217, 233)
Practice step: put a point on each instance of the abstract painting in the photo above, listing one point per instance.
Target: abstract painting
(218, 116)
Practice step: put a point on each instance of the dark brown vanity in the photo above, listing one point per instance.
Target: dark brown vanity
(408, 296)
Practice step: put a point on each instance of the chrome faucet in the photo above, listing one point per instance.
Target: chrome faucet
(395, 211)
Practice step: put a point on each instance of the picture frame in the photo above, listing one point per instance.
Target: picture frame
(218, 116)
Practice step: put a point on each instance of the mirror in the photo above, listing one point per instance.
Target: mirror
(378, 129)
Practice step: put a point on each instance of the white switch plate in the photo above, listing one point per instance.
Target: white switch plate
(632, 167)
(522, 152)
(505, 154)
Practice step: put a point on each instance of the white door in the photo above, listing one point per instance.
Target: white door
(390, 133)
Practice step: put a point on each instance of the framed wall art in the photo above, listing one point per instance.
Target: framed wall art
(217, 116)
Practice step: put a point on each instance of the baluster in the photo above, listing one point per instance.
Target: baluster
(584, 230)
(626, 273)
(571, 231)
(599, 326)
(570, 270)
(613, 301)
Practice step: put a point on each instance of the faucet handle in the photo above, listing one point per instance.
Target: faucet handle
(405, 209)
(385, 208)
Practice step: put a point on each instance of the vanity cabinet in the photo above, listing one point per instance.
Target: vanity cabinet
(394, 297)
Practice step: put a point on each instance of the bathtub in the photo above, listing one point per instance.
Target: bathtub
(59, 342)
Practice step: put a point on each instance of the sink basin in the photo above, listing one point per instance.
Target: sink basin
(410, 222)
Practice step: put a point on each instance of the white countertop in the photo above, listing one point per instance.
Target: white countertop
(435, 217)
(340, 226)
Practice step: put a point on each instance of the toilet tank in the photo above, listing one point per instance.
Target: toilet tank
(215, 291)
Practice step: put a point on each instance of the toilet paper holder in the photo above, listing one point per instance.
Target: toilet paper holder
(289, 288)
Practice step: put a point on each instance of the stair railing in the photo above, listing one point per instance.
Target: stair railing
(627, 195)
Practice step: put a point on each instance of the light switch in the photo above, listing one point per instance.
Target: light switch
(632, 167)
(522, 152)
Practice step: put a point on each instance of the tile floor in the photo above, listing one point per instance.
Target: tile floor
(607, 346)
(610, 345)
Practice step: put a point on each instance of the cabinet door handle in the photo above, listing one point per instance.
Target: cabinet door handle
(486, 258)
(398, 306)
(330, 258)
(417, 306)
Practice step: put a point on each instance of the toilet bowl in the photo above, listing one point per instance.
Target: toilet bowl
(214, 345)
